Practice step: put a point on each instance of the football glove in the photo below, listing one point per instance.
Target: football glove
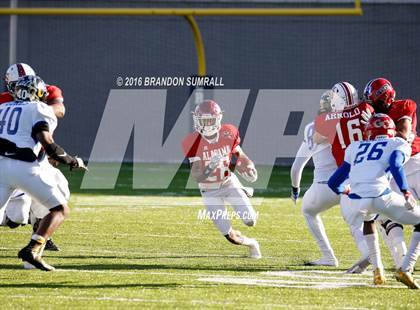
(347, 190)
(79, 164)
(295, 194)
(366, 115)
(410, 201)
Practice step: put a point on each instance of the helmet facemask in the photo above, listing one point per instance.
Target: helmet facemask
(207, 124)
(325, 102)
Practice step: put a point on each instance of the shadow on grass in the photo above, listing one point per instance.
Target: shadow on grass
(160, 267)
(55, 285)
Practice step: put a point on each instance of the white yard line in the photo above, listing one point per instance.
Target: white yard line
(289, 283)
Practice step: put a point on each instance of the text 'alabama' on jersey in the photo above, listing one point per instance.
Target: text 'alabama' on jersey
(197, 148)
(17, 119)
(370, 170)
(324, 163)
(342, 128)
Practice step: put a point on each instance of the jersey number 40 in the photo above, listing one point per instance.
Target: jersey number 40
(10, 120)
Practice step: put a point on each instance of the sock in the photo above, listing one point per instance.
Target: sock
(360, 240)
(316, 227)
(247, 241)
(412, 254)
(374, 251)
(37, 242)
(396, 238)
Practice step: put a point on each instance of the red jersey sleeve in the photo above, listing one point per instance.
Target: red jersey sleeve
(54, 93)
(404, 109)
(5, 97)
(229, 130)
(190, 145)
(322, 126)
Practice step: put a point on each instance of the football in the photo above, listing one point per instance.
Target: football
(244, 164)
(246, 169)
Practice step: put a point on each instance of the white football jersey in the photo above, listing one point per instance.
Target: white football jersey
(369, 175)
(17, 119)
(324, 163)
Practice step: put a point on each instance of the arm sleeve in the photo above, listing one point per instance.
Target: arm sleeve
(45, 114)
(189, 148)
(337, 179)
(396, 162)
(302, 157)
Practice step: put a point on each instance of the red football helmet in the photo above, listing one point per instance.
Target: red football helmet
(207, 118)
(380, 93)
(380, 125)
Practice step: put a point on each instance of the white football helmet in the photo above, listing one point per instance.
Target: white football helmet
(14, 72)
(345, 96)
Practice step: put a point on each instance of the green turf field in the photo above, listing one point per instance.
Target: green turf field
(129, 251)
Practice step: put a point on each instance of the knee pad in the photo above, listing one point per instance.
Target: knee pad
(388, 225)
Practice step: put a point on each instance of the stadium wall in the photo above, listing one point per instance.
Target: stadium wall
(84, 55)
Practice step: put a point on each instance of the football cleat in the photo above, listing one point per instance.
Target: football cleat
(378, 276)
(254, 250)
(359, 267)
(51, 246)
(407, 278)
(324, 261)
(29, 255)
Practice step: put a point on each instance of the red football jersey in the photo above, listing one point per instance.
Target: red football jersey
(197, 148)
(54, 93)
(401, 109)
(342, 128)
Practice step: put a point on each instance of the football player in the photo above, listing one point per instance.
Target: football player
(380, 94)
(17, 211)
(318, 197)
(28, 124)
(368, 164)
(340, 127)
(210, 150)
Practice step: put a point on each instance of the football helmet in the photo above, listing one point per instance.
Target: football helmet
(14, 72)
(345, 96)
(30, 88)
(380, 94)
(380, 126)
(207, 118)
(325, 102)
